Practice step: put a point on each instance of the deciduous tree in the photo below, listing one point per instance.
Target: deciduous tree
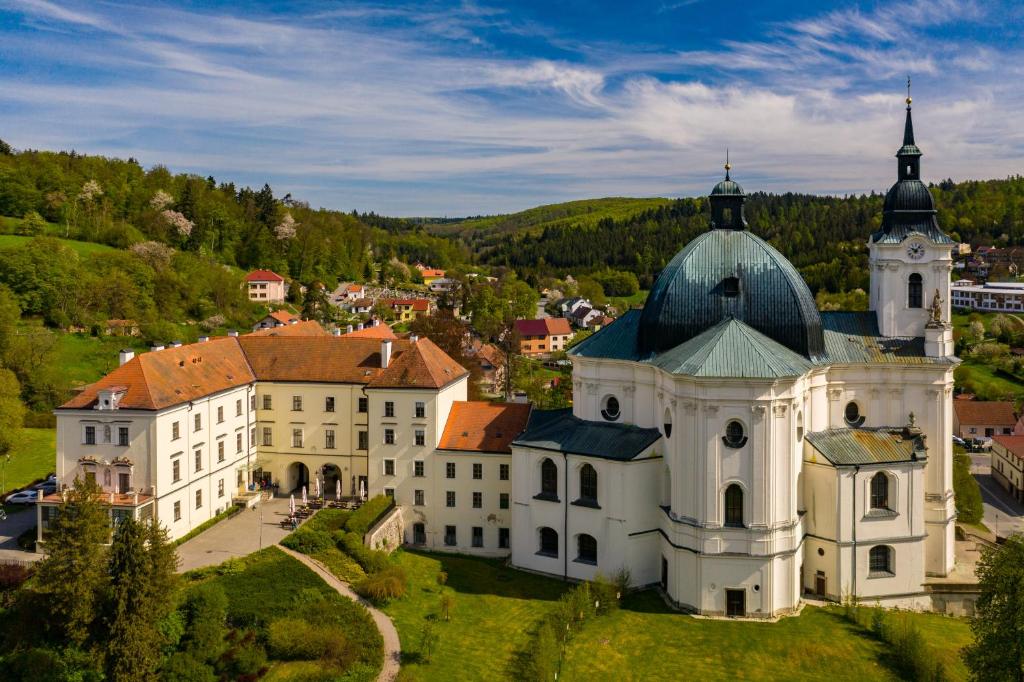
(997, 652)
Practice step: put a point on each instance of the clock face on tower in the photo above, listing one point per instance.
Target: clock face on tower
(915, 250)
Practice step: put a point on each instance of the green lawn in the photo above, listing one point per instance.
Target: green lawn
(83, 358)
(986, 383)
(81, 248)
(33, 457)
(624, 303)
(495, 608)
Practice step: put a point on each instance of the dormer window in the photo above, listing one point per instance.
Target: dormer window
(731, 287)
(109, 398)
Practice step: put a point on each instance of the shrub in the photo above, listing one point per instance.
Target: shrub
(442, 578)
(13, 575)
(372, 560)
(383, 586)
(308, 541)
(363, 518)
(447, 604)
(329, 520)
(605, 593)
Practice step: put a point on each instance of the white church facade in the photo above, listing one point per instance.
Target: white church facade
(740, 448)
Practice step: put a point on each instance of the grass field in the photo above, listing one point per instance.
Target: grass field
(81, 248)
(985, 383)
(33, 458)
(496, 607)
(84, 358)
(624, 303)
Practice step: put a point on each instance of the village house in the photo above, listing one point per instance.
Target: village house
(407, 309)
(983, 418)
(277, 318)
(429, 274)
(265, 286)
(540, 337)
(1008, 464)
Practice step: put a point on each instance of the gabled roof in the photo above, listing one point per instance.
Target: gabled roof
(160, 379)
(354, 287)
(431, 272)
(560, 431)
(418, 304)
(303, 328)
(543, 327)
(263, 276)
(283, 316)
(985, 412)
(849, 447)
(380, 331)
(733, 349)
(480, 426)
(418, 364)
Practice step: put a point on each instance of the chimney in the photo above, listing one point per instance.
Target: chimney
(385, 353)
(204, 339)
(156, 346)
(336, 331)
(125, 355)
(359, 326)
(348, 329)
(175, 344)
(413, 338)
(232, 332)
(293, 321)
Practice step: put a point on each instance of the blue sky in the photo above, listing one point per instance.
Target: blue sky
(459, 108)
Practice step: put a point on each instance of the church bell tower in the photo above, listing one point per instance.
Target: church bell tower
(910, 257)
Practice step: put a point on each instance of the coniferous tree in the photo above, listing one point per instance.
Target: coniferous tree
(133, 641)
(73, 576)
(997, 652)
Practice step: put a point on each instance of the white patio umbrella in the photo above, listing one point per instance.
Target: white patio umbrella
(316, 487)
(362, 490)
(337, 490)
(304, 503)
(291, 505)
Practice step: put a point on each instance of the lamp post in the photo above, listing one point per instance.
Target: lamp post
(3, 485)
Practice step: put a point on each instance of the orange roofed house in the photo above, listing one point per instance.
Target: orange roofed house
(407, 309)
(983, 418)
(179, 434)
(265, 286)
(539, 337)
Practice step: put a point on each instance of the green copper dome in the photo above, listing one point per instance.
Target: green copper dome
(727, 187)
(727, 273)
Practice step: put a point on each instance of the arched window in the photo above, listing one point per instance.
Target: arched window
(734, 437)
(548, 479)
(734, 506)
(914, 291)
(548, 542)
(880, 559)
(852, 414)
(879, 491)
(586, 549)
(610, 408)
(799, 426)
(588, 484)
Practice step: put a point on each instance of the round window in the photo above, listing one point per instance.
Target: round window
(610, 409)
(852, 414)
(734, 437)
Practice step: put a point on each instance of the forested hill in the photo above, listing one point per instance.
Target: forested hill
(824, 237)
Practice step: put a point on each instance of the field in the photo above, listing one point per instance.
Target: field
(31, 459)
(81, 248)
(84, 359)
(496, 607)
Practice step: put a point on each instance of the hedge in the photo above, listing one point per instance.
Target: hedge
(363, 518)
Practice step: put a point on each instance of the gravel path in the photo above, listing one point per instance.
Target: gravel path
(392, 646)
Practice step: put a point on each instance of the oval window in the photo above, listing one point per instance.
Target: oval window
(610, 409)
(852, 414)
(734, 437)
(668, 423)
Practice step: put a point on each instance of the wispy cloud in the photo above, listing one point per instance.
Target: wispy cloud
(425, 109)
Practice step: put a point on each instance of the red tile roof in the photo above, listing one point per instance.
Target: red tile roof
(381, 331)
(283, 316)
(163, 378)
(1013, 444)
(985, 412)
(418, 364)
(430, 272)
(263, 276)
(484, 427)
(543, 327)
(418, 304)
(354, 287)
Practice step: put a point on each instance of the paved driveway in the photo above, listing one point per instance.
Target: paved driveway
(16, 524)
(244, 533)
(1003, 515)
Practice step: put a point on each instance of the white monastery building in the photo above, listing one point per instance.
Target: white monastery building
(728, 441)
(1005, 297)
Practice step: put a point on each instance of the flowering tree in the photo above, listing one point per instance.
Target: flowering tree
(155, 254)
(179, 222)
(90, 191)
(286, 229)
(161, 200)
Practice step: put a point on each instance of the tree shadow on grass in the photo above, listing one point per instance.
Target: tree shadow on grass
(477, 575)
(647, 601)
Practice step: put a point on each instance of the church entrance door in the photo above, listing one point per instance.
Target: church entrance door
(819, 584)
(735, 602)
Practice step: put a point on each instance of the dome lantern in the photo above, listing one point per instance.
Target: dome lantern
(727, 200)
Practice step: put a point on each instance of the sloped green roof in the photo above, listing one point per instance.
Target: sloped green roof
(733, 349)
(848, 447)
(560, 431)
(853, 338)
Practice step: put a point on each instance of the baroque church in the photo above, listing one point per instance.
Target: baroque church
(741, 448)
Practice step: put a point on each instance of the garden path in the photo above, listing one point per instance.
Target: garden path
(392, 645)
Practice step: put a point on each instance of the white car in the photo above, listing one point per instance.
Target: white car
(23, 497)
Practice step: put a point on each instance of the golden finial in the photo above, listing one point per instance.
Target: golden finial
(908, 91)
(728, 166)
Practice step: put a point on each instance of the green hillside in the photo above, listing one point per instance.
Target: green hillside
(583, 213)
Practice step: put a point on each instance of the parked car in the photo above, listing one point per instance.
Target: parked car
(48, 487)
(22, 497)
(957, 440)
